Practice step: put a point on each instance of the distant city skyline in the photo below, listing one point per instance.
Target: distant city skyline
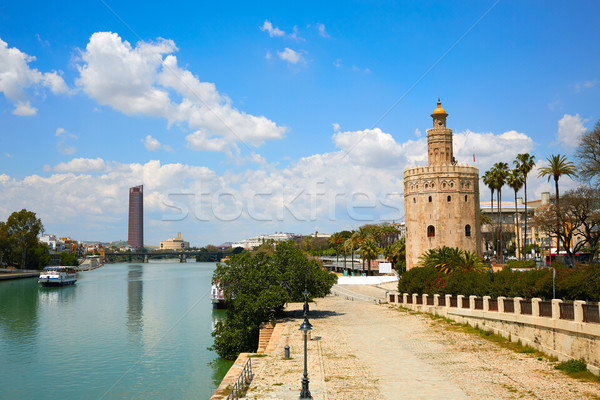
(242, 118)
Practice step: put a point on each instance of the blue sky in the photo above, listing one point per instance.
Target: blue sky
(246, 118)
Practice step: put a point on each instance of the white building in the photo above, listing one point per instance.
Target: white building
(250, 243)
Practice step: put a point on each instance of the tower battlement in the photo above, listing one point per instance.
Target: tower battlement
(457, 168)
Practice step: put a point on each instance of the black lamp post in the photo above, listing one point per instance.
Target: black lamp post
(305, 327)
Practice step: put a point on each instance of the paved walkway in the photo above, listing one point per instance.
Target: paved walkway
(362, 350)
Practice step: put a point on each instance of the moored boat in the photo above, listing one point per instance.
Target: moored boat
(217, 296)
(58, 276)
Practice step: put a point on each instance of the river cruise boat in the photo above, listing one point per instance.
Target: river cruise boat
(58, 276)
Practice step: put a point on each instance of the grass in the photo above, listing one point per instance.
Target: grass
(577, 369)
(257, 355)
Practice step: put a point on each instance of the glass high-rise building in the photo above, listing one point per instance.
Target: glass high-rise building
(135, 235)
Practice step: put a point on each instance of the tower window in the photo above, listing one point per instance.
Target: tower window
(430, 231)
(466, 197)
(467, 230)
(449, 198)
(414, 200)
(430, 199)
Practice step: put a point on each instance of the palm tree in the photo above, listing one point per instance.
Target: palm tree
(516, 180)
(396, 252)
(451, 259)
(500, 173)
(369, 251)
(558, 166)
(489, 181)
(525, 162)
(335, 241)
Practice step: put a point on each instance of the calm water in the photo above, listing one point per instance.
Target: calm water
(135, 331)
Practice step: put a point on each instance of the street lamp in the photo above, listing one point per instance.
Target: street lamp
(305, 327)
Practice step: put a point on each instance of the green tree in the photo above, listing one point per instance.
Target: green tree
(451, 259)
(525, 162)
(557, 167)
(500, 174)
(4, 243)
(369, 251)
(516, 180)
(395, 253)
(257, 286)
(23, 228)
(588, 156)
(490, 181)
(336, 242)
(68, 259)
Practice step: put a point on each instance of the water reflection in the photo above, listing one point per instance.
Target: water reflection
(135, 299)
(19, 308)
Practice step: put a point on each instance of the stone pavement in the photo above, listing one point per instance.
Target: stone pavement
(362, 350)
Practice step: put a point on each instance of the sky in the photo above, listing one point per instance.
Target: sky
(246, 118)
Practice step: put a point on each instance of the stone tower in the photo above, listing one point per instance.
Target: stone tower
(441, 200)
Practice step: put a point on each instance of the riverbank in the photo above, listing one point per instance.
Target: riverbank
(6, 273)
(363, 350)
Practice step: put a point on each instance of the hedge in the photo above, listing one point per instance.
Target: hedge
(579, 283)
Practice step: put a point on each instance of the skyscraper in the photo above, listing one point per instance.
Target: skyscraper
(135, 236)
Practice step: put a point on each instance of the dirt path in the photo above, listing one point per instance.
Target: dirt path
(361, 350)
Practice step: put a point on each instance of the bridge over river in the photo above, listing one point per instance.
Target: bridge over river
(181, 255)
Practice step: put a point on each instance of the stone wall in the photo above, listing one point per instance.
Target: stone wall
(564, 330)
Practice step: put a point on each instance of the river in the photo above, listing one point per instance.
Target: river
(135, 331)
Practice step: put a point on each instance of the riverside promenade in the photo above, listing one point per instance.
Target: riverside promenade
(363, 350)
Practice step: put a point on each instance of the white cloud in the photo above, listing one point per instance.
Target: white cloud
(268, 55)
(7, 155)
(84, 165)
(137, 80)
(580, 86)
(65, 140)
(336, 126)
(418, 132)
(16, 77)
(272, 31)
(322, 31)
(24, 109)
(151, 143)
(570, 129)
(337, 63)
(203, 141)
(289, 55)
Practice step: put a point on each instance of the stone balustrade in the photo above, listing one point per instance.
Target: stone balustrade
(566, 330)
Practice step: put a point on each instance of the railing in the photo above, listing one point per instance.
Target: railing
(442, 301)
(493, 304)
(453, 301)
(591, 313)
(429, 300)
(479, 303)
(392, 298)
(509, 306)
(466, 303)
(408, 299)
(567, 311)
(526, 308)
(243, 381)
(546, 309)
(419, 300)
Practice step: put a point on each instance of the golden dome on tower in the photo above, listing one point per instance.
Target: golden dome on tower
(439, 109)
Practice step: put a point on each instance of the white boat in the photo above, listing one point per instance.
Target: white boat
(217, 296)
(58, 276)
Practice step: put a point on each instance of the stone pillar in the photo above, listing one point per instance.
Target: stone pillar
(501, 304)
(578, 310)
(414, 299)
(472, 302)
(556, 308)
(448, 297)
(517, 301)
(535, 307)
(425, 297)
(486, 303)
(436, 300)
(459, 301)
(404, 296)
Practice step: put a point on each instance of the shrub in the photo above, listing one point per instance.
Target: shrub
(572, 366)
